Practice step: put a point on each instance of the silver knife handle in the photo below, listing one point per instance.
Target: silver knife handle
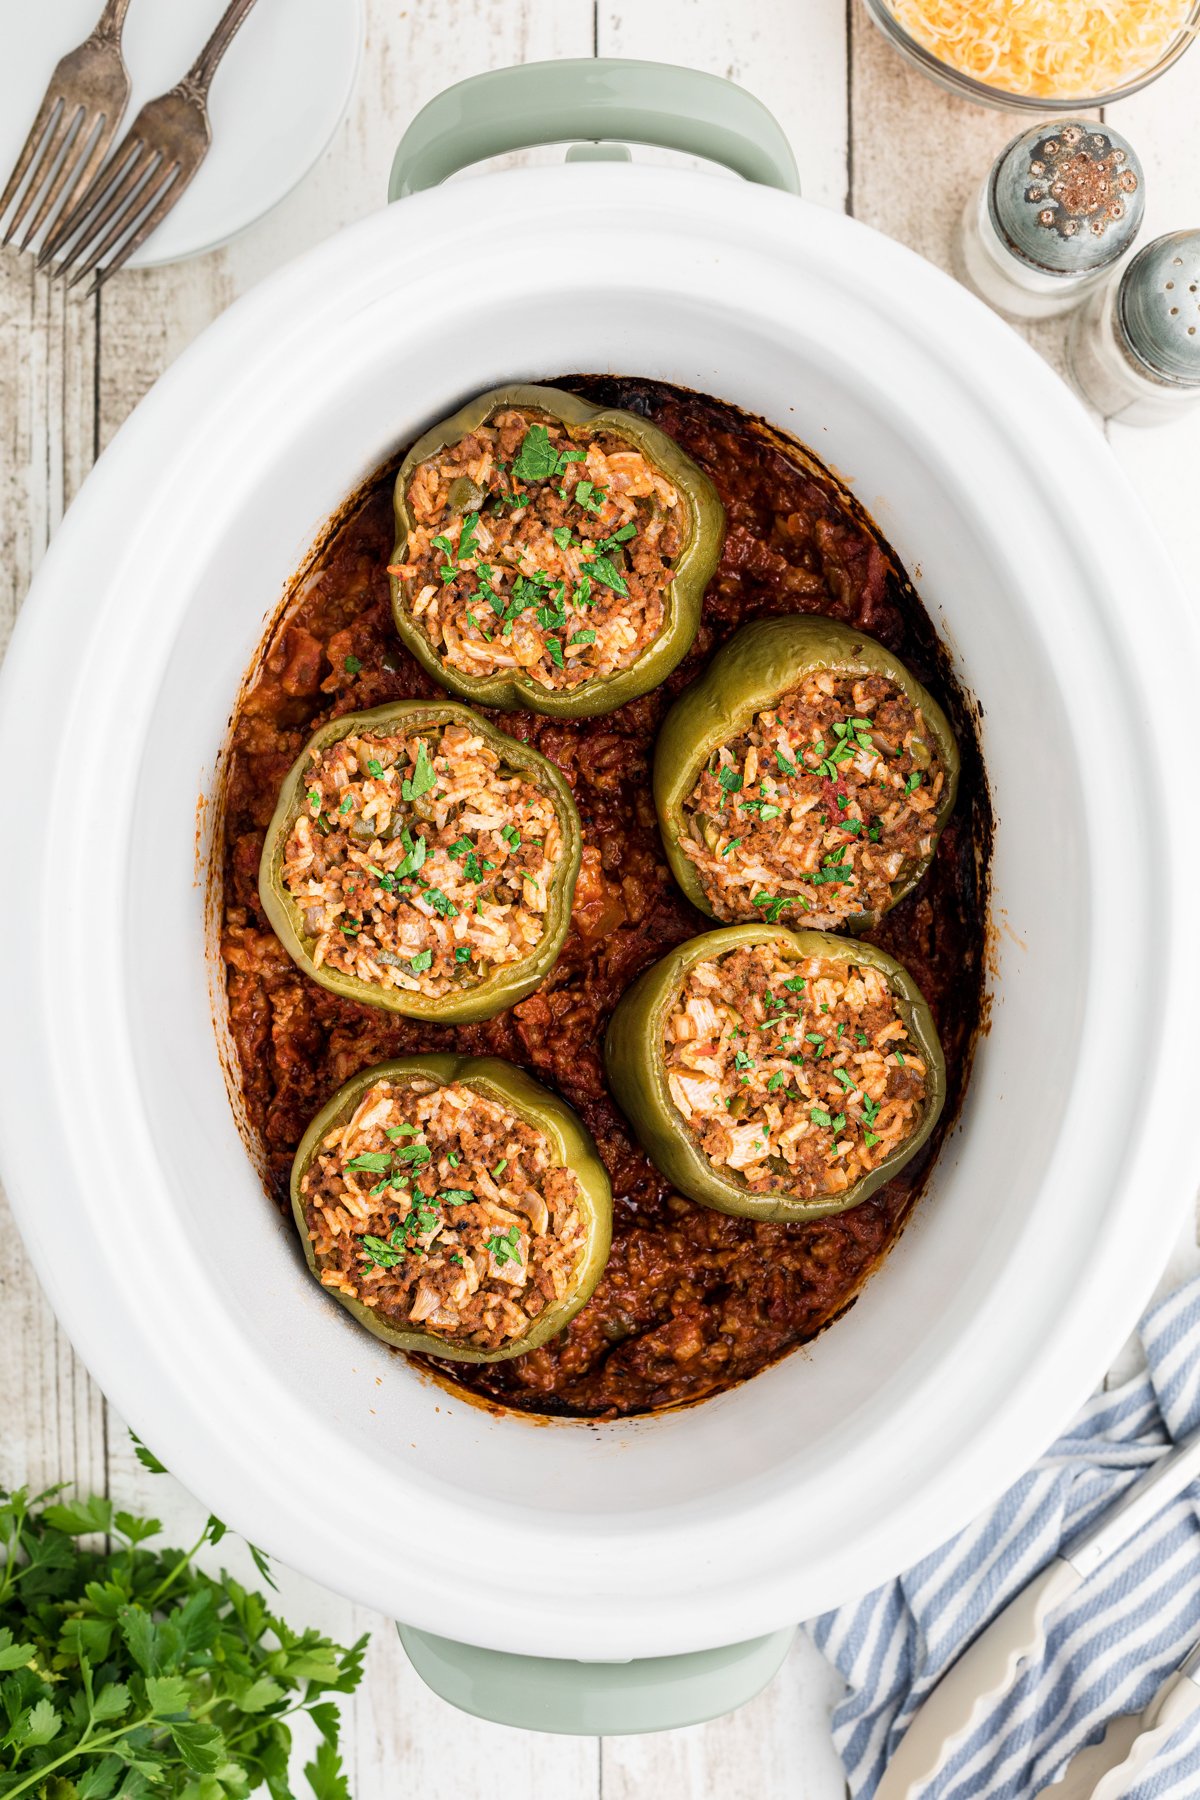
(1175, 1470)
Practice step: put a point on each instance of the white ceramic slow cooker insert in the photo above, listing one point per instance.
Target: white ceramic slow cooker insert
(1052, 1203)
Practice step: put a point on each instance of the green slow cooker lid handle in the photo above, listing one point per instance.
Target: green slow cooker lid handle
(596, 99)
(580, 1699)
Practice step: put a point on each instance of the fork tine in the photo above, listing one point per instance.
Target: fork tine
(37, 132)
(74, 169)
(105, 201)
(167, 198)
(128, 217)
(53, 141)
(100, 188)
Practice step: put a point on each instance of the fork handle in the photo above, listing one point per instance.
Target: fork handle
(109, 24)
(205, 65)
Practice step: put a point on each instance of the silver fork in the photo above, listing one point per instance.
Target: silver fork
(146, 173)
(75, 124)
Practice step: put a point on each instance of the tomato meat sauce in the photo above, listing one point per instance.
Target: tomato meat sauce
(692, 1301)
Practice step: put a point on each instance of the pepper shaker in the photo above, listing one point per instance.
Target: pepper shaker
(1062, 203)
(1134, 348)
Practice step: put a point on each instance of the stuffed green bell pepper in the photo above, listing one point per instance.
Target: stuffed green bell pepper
(805, 772)
(549, 553)
(423, 861)
(777, 1074)
(453, 1205)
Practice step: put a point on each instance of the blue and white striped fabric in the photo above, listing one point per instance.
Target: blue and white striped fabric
(1107, 1650)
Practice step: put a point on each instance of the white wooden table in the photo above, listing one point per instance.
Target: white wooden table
(871, 138)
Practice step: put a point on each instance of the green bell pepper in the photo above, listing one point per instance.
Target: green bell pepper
(758, 665)
(636, 1065)
(507, 984)
(571, 1143)
(694, 569)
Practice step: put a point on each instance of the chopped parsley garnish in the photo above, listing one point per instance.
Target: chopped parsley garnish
(460, 846)
(556, 651)
(416, 1154)
(772, 905)
(562, 536)
(511, 836)
(423, 777)
(314, 796)
(870, 1138)
(347, 803)
(795, 984)
(819, 1116)
(833, 871)
(421, 961)
(414, 857)
(742, 1061)
(777, 1080)
(441, 903)
(462, 954)
(383, 1255)
(537, 458)
(352, 665)
(913, 782)
(583, 637)
(731, 845)
(375, 769)
(607, 574)
(457, 1196)
(506, 1248)
(499, 1169)
(373, 1161)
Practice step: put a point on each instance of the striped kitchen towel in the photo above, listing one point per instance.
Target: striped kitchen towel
(1109, 1647)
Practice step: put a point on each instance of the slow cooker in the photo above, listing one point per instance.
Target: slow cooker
(695, 1538)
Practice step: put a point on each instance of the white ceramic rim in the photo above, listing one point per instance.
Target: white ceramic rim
(150, 1349)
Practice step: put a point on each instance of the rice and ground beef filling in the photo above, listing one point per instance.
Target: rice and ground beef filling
(819, 807)
(536, 551)
(440, 1209)
(794, 1076)
(420, 862)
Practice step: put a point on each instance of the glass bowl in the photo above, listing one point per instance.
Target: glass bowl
(955, 81)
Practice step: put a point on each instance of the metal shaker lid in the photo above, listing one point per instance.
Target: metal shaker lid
(1067, 197)
(1158, 307)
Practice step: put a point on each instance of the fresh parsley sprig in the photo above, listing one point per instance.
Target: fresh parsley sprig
(127, 1672)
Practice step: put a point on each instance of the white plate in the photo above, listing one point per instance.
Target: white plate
(276, 99)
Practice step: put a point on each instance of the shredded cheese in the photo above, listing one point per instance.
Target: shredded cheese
(1053, 49)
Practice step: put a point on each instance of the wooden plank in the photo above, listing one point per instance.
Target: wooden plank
(775, 1748)
(791, 57)
(54, 1426)
(919, 154)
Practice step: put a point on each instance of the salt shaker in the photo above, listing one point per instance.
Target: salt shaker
(1134, 347)
(1062, 203)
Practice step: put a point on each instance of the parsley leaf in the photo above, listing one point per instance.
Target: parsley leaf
(607, 574)
(424, 776)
